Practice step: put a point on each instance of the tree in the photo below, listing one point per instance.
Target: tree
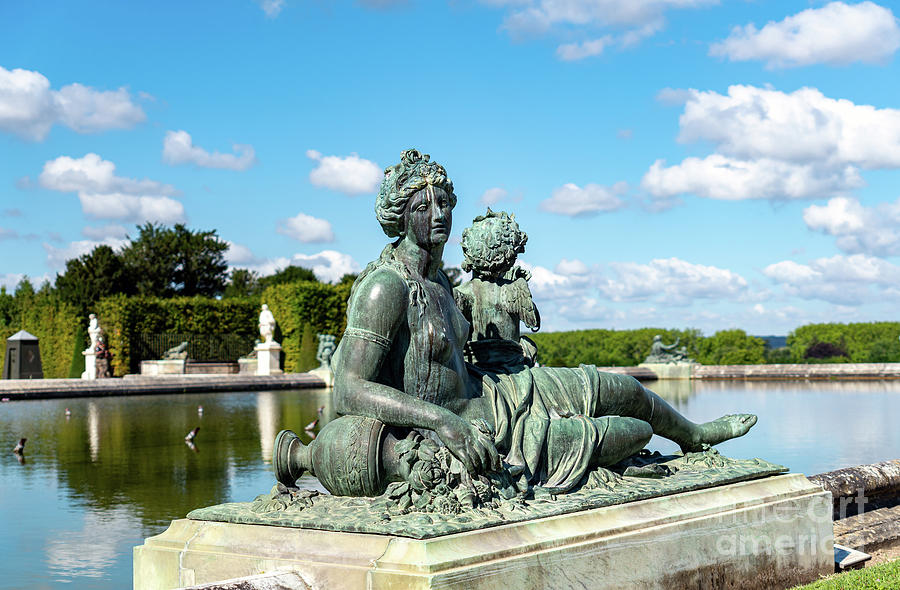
(8, 308)
(242, 283)
(308, 348)
(24, 290)
(290, 274)
(91, 277)
(167, 262)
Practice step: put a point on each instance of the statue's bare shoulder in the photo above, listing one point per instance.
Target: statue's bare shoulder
(378, 302)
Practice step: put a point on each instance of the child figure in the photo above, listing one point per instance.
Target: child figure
(497, 298)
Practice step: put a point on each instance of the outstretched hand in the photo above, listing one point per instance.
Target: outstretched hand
(468, 444)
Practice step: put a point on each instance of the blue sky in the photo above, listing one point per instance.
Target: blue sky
(676, 163)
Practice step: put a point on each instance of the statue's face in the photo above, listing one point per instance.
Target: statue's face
(429, 217)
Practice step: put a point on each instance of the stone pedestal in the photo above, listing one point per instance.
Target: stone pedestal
(325, 374)
(764, 533)
(268, 358)
(670, 370)
(247, 366)
(158, 368)
(90, 364)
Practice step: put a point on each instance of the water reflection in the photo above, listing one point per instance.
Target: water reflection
(116, 470)
(267, 419)
(93, 430)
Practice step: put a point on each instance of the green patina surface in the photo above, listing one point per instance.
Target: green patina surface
(427, 516)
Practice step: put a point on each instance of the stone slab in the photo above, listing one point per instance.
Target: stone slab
(764, 533)
(25, 389)
(800, 371)
(846, 558)
(382, 515)
(168, 367)
(670, 370)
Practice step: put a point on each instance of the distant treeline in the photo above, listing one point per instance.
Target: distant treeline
(874, 342)
(304, 308)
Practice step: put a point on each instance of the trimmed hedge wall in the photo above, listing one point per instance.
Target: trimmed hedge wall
(872, 342)
(320, 305)
(55, 325)
(627, 348)
(123, 318)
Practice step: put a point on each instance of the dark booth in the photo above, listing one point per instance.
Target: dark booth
(23, 357)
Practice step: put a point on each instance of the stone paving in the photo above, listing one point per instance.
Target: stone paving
(23, 389)
(20, 389)
(774, 372)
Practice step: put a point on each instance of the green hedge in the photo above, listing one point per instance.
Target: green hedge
(320, 305)
(124, 318)
(55, 325)
(873, 342)
(627, 348)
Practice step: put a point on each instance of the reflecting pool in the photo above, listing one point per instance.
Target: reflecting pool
(96, 482)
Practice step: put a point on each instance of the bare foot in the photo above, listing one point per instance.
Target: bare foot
(720, 430)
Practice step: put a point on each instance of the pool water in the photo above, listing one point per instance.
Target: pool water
(95, 483)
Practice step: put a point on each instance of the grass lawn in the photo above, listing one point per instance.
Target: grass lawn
(884, 575)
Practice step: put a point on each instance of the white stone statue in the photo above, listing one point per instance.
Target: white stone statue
(94, 331)
(90, 355)
(266, 324)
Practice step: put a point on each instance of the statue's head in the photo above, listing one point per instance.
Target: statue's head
(414, 173)
(491, 244)
(265, 307)
(657, 338)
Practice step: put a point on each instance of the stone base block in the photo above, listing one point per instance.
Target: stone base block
(247, 366)
(156, 368)
(268, 358)
(768, 533)
(325, 374)
(670, 371)
(90, 364)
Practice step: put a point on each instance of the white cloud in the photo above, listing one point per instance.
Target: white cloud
(775, 145)
(673, 281)
(720, 177)
(131, 207)
(239, 255)
(574, 201)
(836, 34)
(540, 15)
(306, 228)
(802, 126)
(847, 280)
(272, 8)
(8, 234)
(104, 195)
(857, 228)
(10, 280)
(567, 267)
(492, 196)
(179, 148)
(576, 51)
(327, 265)
(104, 232)
(29, 107)
(350, 175)
(56, 257)
(93, 174)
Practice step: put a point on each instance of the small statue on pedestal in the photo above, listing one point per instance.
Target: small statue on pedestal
(266, 324)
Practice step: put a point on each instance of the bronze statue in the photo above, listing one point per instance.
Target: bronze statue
(415, 411)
